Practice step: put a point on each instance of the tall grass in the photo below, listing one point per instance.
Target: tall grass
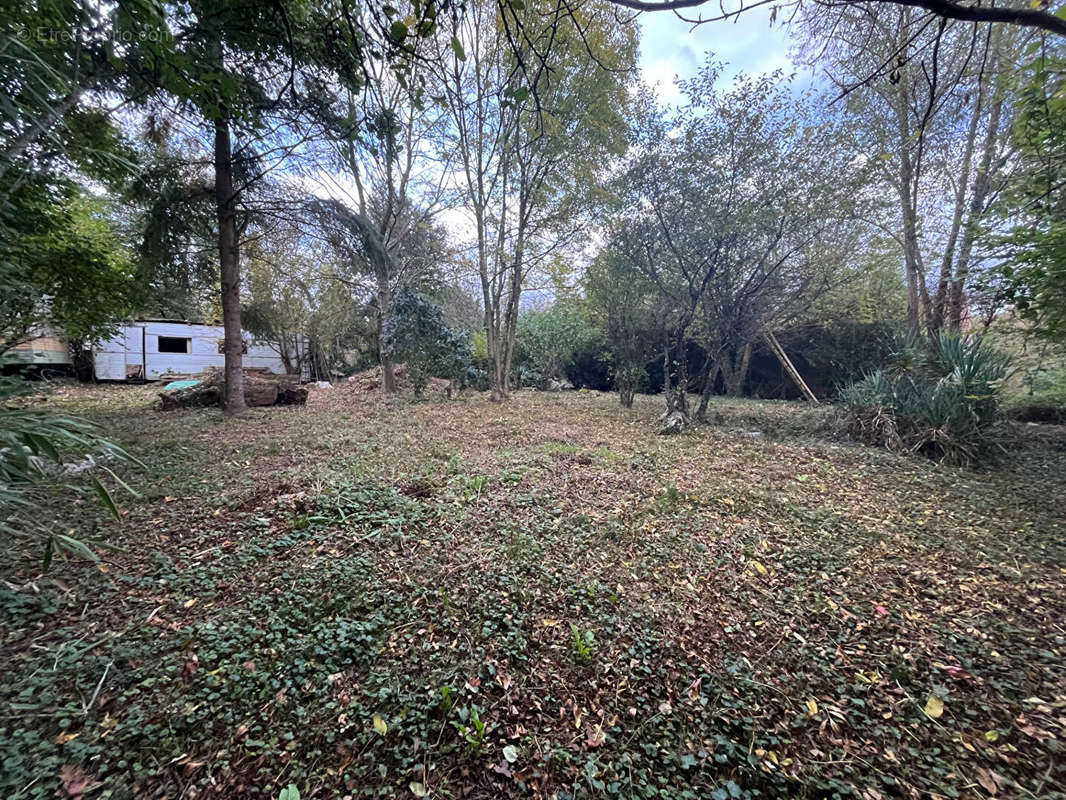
(938, 398)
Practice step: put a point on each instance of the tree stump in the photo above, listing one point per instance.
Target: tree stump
(673, 422)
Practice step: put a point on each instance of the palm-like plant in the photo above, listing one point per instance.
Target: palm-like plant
(44, 453)
(939, 398)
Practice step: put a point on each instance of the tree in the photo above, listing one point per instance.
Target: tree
(622, 300)
(55, 54)
(737, 209)
(933, 128)
(375, 271)
(170, 206)
(380, 144)
(251, 73)
(64, 267)
(425, 342)
(295, 303)
(1033, 275)
(529, 141)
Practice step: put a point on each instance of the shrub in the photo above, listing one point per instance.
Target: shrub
(939, 399)
(559, 344)
(427, 345)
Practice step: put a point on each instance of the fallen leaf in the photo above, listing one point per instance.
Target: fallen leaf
(934, 707)
(418, 789)
(74, 781)
(510, 752)
(812, 707)
(987, 781)
(380, 726)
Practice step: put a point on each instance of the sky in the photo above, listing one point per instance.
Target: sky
(747, 43)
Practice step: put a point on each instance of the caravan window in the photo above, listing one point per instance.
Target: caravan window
(174, 344)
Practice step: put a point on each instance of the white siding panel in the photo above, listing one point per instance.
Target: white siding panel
(109, 356)
(114, 355)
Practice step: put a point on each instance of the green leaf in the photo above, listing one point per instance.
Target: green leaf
(398, 31)
(457, 48)
(517, 5)
(121, 482)
(105, 498)
(75, 546)
(418, 789)
(290, 792)
(510, 752)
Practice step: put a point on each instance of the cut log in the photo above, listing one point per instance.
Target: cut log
(290, 394)
(259, 391)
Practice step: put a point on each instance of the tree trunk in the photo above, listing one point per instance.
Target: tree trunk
(735, 371)
(667, 391)
(981, 188)
(939, 313)
(911, 246)
(681, 403)
(710, 376)
(907, 187)
(225, 202)
(388, 368)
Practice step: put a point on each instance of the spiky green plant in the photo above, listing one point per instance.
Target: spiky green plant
(44, 453)
(940, 399)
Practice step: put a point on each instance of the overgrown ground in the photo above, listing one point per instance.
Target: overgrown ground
(541, 598)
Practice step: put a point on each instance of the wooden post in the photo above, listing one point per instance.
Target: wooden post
(786, 362)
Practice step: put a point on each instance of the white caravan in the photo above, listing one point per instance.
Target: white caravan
(156, 349)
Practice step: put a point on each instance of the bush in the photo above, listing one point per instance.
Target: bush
(560, 344)
(427, 345)
(938, 399)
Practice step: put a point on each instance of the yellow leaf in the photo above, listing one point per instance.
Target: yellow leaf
(934, 707)
(759, 568)
(190, 602)
(550, 623)
(417, 789)
(379, 725)
(992, 735)
(812, 707)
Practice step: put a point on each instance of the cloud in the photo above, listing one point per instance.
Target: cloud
(671, 48)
